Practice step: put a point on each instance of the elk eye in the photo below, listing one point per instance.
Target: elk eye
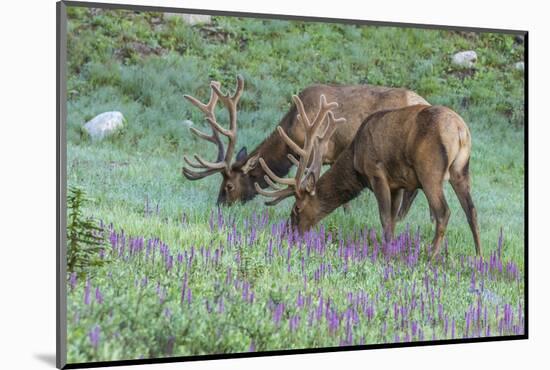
(230, 186)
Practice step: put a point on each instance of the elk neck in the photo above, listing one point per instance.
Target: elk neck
(274, 150)
(340, 184)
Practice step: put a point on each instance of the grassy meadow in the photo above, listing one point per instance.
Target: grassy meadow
(182, 277)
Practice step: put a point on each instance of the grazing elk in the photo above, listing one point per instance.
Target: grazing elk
(416, 147)
(355, 103)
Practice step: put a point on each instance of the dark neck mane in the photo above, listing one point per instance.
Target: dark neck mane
(340, 184)
(274, 151)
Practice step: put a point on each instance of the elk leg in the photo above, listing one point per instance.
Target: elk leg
(408, 198)
(346, 207)
(381, 190)
(441, 212)
(396, 204)
(461, 185)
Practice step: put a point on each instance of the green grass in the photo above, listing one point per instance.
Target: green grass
(141, 65)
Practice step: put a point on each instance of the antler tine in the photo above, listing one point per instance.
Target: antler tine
(295, 147)
(220, 129)
(293, 159)
(270, 182)
(192, 164)
(302, 116)
(208, 167)
(230, 102)
(330, 127)
(277, 200)
(193, 175)
(278, 195)
(208, 110)
(201, 134)
(324, 109)
(271, 174)
(207, 164)
(225, 97)
(321, 142)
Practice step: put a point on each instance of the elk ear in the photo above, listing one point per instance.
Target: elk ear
(241, 155)
(251, 163)
(310, 184)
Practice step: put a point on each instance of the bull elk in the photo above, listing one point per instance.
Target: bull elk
(355, 103)
(416, 147)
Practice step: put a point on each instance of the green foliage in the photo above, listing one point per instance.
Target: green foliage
(84, 238)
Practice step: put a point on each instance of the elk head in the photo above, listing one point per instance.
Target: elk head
(306, 209)
(231, 177)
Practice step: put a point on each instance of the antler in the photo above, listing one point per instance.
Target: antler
(230, 103)
(320, 145)
(223, 163)
(313, 144)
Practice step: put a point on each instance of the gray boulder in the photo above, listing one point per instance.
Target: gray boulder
(104, 124)
(520, 66)
(192, 19)
(465, 59)
(187, 123)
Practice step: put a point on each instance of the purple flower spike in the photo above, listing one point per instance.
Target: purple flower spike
(98, 296)
(94, 336)
(72, 280)
(279, 309)
(500, 239)
(221, 307)
(87, 292)
(453, 329)
(170, 345)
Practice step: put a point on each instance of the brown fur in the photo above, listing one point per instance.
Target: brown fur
(416, 147)
(356, 102)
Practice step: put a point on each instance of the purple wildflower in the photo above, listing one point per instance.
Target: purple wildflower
(279, 309)
(72, 280)
(183, 288)
(94, 336)
(98, 296)
(170, 345)
(87, 292)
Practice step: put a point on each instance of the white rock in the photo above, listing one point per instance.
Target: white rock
(465, 59)
(187, 123)
(519, 66)
(104, 125)
(192, 19)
